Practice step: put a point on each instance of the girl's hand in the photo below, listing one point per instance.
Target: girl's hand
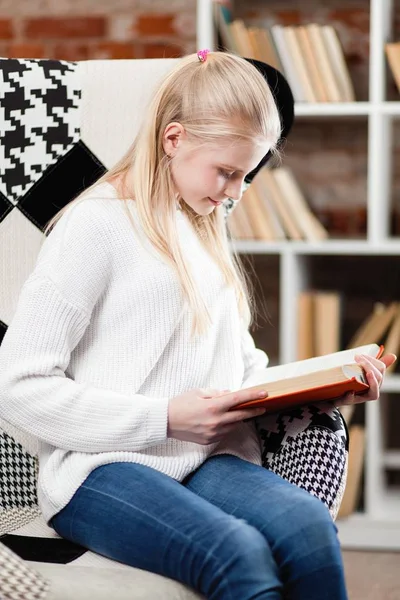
(375, 372)
(200, 416)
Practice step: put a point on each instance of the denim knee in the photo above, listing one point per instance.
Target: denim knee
(306, 534)
(240, 564)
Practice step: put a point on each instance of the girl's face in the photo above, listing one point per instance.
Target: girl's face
(206, 176)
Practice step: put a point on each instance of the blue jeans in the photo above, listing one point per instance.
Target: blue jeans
(232, 530)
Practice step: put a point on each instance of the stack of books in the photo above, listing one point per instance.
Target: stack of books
(273, 209)
(310, 56)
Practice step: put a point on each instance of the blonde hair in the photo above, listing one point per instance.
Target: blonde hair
(224, 99)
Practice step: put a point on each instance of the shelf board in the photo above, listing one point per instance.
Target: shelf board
(330, 109)
(391, 383)
(360, 532)
(391, 460)
(346, 109)
(332, 246)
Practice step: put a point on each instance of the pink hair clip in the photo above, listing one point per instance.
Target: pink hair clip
(202, 55)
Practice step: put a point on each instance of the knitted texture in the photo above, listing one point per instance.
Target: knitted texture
(100, 341)
(19, 581)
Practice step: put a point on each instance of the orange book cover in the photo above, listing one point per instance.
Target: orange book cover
(311, 380)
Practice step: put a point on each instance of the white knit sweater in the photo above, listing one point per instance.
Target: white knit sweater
(100, 342)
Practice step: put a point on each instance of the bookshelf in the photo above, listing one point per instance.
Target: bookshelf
(378, 526)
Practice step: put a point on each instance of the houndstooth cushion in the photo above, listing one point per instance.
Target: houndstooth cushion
(308, 446)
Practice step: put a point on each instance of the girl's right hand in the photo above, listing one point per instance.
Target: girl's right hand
(203, 417)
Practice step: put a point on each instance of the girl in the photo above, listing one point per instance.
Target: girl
(141, 322)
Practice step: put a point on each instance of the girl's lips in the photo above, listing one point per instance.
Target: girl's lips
(214, 202)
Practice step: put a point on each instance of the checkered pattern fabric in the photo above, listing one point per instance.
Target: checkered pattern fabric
(17, 580)
(63, 125)
(308, 446)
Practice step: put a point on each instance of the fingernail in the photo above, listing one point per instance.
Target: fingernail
(263, 393)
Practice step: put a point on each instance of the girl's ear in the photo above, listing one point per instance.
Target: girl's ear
(174, 134)
(284, 100)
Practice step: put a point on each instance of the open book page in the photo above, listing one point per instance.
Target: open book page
(309, 365)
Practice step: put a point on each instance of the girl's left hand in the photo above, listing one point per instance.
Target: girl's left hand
(374, 371)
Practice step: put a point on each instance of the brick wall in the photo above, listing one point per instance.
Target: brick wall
(90, 29)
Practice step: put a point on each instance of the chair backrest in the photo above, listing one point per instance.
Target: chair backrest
(62, 125)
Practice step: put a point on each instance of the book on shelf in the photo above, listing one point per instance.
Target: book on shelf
(316, 78)
(274, 208)
(324, 63)
(393, 56)
(239, 223)
(392, 342)
(338, 63)
(355, 466)
(264, 197)
(298, 58)
(288, 221)
(310, 227)
(310, 56)
(309, 381)
(278, 33)
(258, 216)
(319, 318)
(376, 325)
(382, 325)
(264, 48)
(305, 325)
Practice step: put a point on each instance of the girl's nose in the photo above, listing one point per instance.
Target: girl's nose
(234, 189)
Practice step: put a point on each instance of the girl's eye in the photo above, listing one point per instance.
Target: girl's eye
(225, 174)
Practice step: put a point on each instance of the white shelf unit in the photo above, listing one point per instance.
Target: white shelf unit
(378, 527)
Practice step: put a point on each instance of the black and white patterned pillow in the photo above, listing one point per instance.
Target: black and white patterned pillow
(308, 446)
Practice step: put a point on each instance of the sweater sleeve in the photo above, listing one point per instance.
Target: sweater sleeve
(254, 359)
(52, 314)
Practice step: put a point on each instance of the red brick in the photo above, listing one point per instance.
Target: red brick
(162, 51)
(114, 50)
(6, 29)
(288, 17)
(353, 18)
(70, 27)
(26, 50)
(72, 51)
(155, 25)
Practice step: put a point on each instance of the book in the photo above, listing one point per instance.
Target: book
(312, 64)
(270, 213)
(338, 63)
(305, 325)
(354, 473)
(393, 56)
(299, 62)
(375, 326)
(327, 318)
(257, 217)
(316, 379)
(319, 318)
(392, 341)
(308, 224)
(279, 37)
(324, 64)
(267, 48)
(287, 219)
(222, 20)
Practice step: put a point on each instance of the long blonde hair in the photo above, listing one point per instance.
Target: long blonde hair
(224, 99)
